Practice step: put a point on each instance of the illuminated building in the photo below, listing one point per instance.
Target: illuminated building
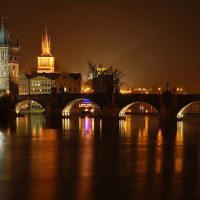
(36, 83)
(68, 83)
(46, 61)
(9, 61)
(24, 86)
(40, 85)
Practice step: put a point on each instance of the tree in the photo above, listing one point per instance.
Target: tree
(93, 70)
(112, 76)
(117, 77)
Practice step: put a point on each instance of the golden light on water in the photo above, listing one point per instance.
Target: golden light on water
(159, 140)
(159, 152)
(179, 148)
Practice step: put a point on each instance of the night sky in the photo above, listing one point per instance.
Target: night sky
(152, 42)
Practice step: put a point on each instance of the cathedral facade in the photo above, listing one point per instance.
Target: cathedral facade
(9, 61)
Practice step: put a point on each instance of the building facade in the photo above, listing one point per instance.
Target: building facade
(46, 62)
(68, 83)
(24, 84)
(45, 82)
(9, 61)
(40, 85)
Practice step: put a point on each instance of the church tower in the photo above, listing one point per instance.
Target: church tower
(9, 61)
(46, 61)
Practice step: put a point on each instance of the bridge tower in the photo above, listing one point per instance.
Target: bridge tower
(46, 61)
(9, 61)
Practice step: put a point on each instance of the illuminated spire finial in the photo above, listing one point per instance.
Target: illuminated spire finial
(46, 45)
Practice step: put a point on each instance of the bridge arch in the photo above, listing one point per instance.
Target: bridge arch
(181, 111)
(67, 109)
(124, 109)
(29, 105)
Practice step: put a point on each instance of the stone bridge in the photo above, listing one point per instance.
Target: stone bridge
(168, 105)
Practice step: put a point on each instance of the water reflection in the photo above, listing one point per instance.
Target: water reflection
(159, 152)
(86, 158)
(179, 148)
(84, 183)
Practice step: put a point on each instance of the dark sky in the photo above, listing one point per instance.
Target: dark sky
(152, 42)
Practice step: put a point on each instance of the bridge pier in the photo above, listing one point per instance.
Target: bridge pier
(52, 105)
(168, 107)
(168, 114)
(111, 111)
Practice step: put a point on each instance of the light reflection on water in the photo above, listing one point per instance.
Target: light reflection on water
(86, 158)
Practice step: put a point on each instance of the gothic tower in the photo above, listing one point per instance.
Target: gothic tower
(9, 61)
(4, 58)
(46, 61)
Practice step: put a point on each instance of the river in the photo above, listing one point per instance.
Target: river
(85, 158)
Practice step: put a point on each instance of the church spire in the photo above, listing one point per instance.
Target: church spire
(46, 44)
(4, 37)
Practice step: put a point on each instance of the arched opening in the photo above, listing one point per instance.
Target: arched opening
(29, 107)
(138, 108)
(191, 108)
(81, 107)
